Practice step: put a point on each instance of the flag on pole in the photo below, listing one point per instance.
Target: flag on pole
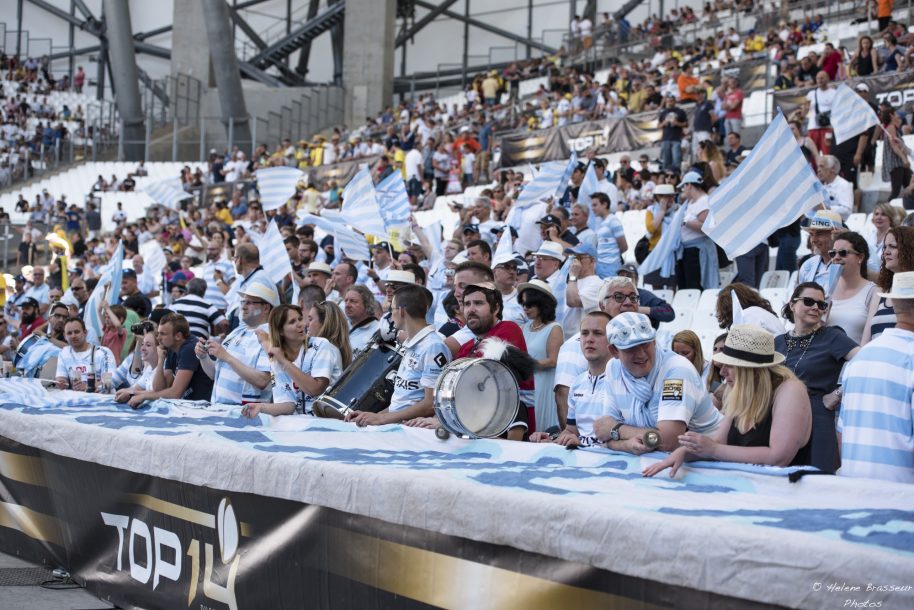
(551, 179)
(663, 256)
(273, 255)
(393, 201)
(360, 205)
(504, 251)
(167, 192)
(850, 114)
(770, 189)
(111, 276)
(353, 245)
(276, 185)
(589, 186)
(566, 175)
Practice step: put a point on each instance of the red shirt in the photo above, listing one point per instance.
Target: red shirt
(510, 332)
(26, 329)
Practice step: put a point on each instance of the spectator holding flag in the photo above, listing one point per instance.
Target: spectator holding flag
(697, 266)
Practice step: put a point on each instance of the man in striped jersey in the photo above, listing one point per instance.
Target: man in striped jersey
(202, 316)
(218, 272)
(876, 423)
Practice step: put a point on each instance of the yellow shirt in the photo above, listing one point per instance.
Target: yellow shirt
(225, 216)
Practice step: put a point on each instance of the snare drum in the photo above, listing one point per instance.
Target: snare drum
(366, 385)
(476, 397)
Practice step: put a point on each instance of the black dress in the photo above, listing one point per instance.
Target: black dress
(760, 436)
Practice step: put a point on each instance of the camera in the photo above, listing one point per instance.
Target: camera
(142, 328)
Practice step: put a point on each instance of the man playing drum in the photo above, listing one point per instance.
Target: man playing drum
(425, 355)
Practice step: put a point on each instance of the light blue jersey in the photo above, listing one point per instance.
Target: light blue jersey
(876, 421)
(425, 355)
(228, 386)
(677, 396)
(586, 404)
(609, 258)
(321, 359)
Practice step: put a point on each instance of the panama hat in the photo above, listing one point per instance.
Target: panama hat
(261, 290)
(630, 329)
(550, 249)
(748, 346)
(902, 286)
(398, 276)
(539, 285)
(320, 267)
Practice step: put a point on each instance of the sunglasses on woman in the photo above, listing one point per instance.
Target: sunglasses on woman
(809, 302)
(841, 253)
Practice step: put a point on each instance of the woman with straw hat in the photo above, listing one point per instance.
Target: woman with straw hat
(767, 414)
(544, 338)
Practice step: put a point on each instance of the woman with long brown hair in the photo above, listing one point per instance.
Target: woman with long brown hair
(302, 366)
(897, 256)
(326, 320)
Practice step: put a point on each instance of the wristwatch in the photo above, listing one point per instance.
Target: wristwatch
(614, 434)
(572, 278)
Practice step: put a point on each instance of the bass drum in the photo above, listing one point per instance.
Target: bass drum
(366, 385)
(36, 356)
(476, 398)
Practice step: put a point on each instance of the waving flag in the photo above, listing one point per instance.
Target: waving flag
(736, 308)
(360, 205)
(770, 189)
(589, 186)
(352, 244)
(167, 192)
(394, 201)
(276, 185)
(663, 256)
(504, 251)
(111, 276)
(551, 179)
(850, 114)
(273, 255)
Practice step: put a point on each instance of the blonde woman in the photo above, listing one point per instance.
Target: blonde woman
(326, 320)
(687, 344)
(767, 414)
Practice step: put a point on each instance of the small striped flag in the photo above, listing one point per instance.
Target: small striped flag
(393, 201)
(273, 255)
(276, 185)
(352, 244)
(589, 186)
(550, 181)
(360, 205)
(504, 251)
(770, 189)
(111, 276)
(663, 256)
(850, 114)
(167, 192)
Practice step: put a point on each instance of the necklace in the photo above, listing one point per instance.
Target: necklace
(537, 325)
(799, 342)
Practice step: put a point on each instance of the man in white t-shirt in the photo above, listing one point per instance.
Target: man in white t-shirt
(818, 102)
(81, 360)
(583, 286)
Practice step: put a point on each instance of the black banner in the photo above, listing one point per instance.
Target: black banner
(146, 542)
(629, 133)
(341, 172)
(897, 88)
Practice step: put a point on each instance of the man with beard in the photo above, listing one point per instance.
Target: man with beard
(467, 272)
(30, 319)
(482, 308)
(80, 293)
(58, 318)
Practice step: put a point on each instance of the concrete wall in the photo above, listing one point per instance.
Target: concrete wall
(368, 57)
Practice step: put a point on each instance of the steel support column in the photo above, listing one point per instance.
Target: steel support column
(225, 68)
(124, 78)
(305, 52)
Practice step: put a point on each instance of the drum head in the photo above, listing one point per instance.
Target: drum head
(486, 397)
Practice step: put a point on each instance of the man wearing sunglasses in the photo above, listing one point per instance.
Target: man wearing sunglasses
(821, 231)
(583, 286)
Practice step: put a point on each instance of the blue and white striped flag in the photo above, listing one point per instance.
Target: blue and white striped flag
(360, 205)
(276, 185)
(167, 192)
(111, 276)
(663, 256)
(589, 186)
(770, 189)
(353, 245)
(552, 178)
(273, 255)
(850, 114)
(504, 251)
(393, 201)
(834, 274)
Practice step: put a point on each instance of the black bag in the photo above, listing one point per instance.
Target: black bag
(642, 249)
(823, 119)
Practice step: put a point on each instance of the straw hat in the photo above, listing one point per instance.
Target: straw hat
(320, 268)
(630, 329)
(902, 286)
(550, 249)
(398, 276)
(539, 285)
(748, 346)
(665, 189)
(263, 291)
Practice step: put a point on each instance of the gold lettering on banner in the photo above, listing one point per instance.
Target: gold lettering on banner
(193, 551)
(22, 469)
(33, 524)
(225, 594)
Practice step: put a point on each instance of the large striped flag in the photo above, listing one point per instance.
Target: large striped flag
(393, 201)
(770, 189)
(167, 192)
(850, 114)
(589, 186)
(273, 255)
(111, 276)
(360, 205)
(276, 185)
(352, 244)
(663, 256)
(551, 179)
